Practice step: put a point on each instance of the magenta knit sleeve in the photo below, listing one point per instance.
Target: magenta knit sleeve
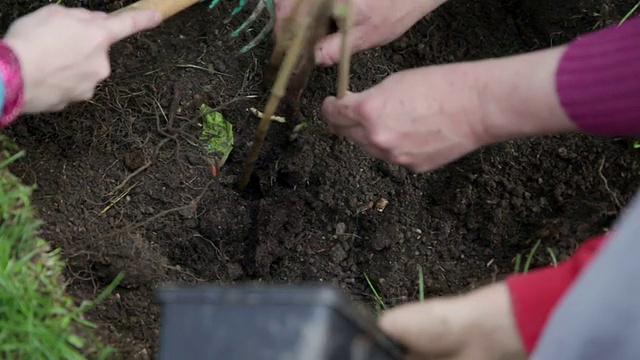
(598, 81)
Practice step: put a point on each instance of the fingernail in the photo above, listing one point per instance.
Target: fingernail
(318, 57)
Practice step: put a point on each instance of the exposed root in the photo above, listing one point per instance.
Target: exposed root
(614, 197)
(191, 205)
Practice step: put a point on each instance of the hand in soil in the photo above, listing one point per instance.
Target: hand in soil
(427, 117)
(421, 118)
(375, 23)
(477, 325)
(64, 52)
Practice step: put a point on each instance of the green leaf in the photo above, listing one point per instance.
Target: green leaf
(216, 136)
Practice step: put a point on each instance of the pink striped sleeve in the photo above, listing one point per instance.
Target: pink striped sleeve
(598, 81)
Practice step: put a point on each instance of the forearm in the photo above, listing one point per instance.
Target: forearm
(591, 85)
(519, 98)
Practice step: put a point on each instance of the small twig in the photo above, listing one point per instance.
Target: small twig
(344, 13)
(211, 71)
(170, 118)
(192, 203)
(140, 169)
(184, 272)
(118, 198)
(606, 184)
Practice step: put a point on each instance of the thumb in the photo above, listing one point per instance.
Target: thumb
(481, 320)
(127, 23)
(327, 51)
(342, 112)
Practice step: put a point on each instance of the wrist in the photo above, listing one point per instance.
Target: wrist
(519, 97)
(494, 326)
(13, 94)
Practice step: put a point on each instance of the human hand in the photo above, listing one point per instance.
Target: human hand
(426, 117)
(64, 52)
(478, 325)
(375, 23)
(421, 118)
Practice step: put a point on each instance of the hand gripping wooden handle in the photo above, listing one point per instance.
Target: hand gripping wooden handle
(167, 8)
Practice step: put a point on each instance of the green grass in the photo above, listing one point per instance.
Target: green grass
(636, 143)
(529, 258)
(38, 320)
(381, 305)
(630, 13)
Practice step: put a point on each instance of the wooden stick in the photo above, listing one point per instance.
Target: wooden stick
(277, 92)
(344, 13)
(167, 8)
(283, 43)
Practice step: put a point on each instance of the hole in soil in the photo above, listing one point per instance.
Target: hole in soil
(253, 190)
(286, 180)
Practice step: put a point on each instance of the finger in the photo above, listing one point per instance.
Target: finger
(357, 134)
(327, 51)
(127, 23)
(283, 10)
(339, 112)
(83, 93)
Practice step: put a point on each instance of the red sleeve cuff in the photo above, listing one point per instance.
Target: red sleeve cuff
(535, 294)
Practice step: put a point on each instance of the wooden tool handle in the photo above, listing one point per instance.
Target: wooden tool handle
(167, 8)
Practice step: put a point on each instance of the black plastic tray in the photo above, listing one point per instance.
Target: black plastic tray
(258, 322)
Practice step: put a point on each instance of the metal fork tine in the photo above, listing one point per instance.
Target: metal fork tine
(260, 37)
(251, 19)
(239, 8)
(254, 15)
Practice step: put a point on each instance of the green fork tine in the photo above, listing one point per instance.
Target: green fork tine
(254, 15)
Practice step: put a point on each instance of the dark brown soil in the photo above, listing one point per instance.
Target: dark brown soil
(302, 218)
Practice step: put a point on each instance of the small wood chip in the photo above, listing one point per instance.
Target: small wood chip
(381, 204)
(259, 115)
